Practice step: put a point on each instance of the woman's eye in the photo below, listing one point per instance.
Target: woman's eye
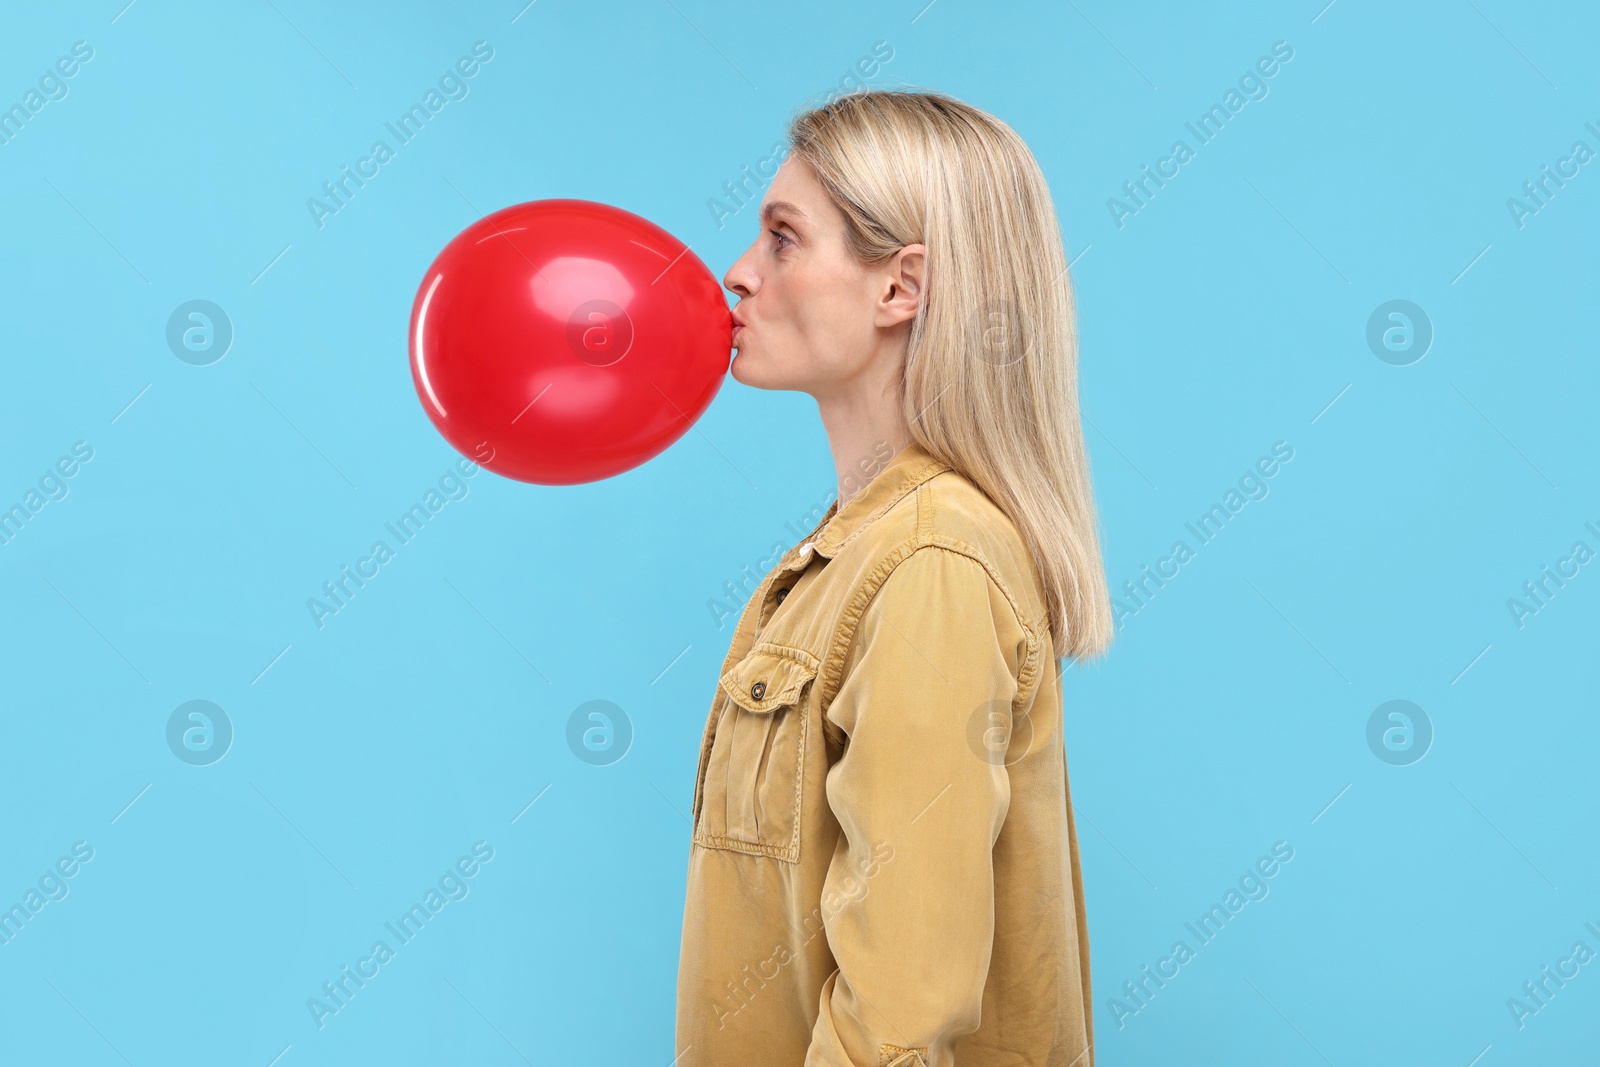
(781, 238)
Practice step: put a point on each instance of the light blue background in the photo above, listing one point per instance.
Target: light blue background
(1228, 314)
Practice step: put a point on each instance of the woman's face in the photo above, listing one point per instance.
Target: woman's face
(806, 305)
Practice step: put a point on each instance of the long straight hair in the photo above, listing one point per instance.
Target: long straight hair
(990, 383)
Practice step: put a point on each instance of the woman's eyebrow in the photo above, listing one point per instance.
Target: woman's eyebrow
(776, 206)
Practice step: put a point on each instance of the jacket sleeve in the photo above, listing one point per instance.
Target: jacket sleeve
(908, 899)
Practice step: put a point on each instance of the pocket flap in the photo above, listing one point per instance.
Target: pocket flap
(768, 677)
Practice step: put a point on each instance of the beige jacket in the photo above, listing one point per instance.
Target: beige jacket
(884, 866)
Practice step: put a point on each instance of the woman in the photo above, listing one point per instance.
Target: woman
(884, 868)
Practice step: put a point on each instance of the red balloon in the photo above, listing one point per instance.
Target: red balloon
(565, 341)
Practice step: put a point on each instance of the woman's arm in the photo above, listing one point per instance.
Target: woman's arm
(934, 665)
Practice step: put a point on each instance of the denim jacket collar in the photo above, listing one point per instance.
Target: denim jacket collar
(907, 469)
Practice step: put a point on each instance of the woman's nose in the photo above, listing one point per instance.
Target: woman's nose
(740, 279)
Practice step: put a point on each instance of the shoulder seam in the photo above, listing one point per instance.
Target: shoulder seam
(925, 538)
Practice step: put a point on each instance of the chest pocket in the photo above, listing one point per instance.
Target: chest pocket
(748, 798)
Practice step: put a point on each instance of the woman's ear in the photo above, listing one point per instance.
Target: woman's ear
(903, 281)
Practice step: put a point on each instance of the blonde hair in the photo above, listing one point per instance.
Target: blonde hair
(990, 383)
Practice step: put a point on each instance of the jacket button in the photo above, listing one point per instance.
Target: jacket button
(783, 593)
(758, 690)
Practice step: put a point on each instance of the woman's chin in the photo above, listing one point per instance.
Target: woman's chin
(749, 369)
(746, 371)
